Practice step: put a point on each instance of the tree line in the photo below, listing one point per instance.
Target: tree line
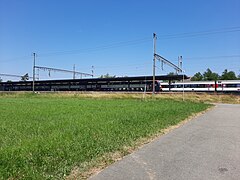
(208, 75)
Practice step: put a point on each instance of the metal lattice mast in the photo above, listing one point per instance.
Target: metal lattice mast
(34, 63)
(154, 61)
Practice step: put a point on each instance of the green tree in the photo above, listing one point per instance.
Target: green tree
(197, 77)
(0, 79)
(228, 75)
(208, 75)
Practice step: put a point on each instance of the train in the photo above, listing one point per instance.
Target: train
(139, 83)
(173, 83)
(202, 86)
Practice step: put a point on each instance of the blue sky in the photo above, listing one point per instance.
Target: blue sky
(116, 36)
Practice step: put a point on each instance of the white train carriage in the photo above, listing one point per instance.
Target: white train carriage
(200, 86)
(228, 85)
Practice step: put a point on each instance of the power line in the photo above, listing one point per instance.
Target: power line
(143, 40)
(124, 65)
(200, 33)
(214, 57)
(98, 48)
(85, 50)
(13, 75)
(23, 58)
(119, 66)
(116, 66)
(134, 42)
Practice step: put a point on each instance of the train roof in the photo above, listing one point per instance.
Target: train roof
(135, 78)
(228, 81)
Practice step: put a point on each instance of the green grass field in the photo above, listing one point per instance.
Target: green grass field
(45, 137)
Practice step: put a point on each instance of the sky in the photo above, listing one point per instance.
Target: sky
(116, 37)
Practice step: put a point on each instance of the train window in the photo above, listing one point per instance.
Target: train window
(196, 85)
(231, 85)
(164, 86)
(180, 86)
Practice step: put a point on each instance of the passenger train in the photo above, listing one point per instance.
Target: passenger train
(139, 83)
(203, 86)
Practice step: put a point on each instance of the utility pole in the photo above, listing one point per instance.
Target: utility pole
(183, 86)
(74, 74)
(92, 70)
(38, 75)
(34, 61)
(180, 66)
(154, 60)
(180, 62)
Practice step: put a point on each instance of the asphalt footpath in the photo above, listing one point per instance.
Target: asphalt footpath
(207, 147)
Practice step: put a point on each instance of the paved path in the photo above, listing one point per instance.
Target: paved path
(207, 147)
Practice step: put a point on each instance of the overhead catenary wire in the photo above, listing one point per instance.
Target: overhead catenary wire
(214, 57)
(123, 65)
(98, 48)
(200, 33)
(13, 75)
(62, 70)
(22, 58)
(85, 50)
(134, 42)
(143, 40)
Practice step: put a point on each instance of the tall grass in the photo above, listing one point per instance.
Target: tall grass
(44, 137)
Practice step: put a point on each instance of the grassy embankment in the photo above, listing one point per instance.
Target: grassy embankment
(52, 136)
(196, 97)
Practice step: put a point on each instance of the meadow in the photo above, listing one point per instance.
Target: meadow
(44, 136)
